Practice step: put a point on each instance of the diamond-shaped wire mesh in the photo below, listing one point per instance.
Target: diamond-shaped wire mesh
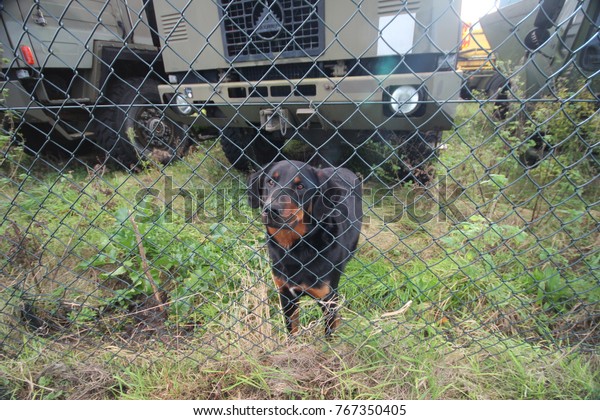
(142, 209)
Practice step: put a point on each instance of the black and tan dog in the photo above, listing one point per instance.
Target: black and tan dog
(313, 221)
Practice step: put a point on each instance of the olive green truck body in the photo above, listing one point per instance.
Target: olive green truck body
(74, 70)
(266, 71)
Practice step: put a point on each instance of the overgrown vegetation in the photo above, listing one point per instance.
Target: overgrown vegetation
(156, 285)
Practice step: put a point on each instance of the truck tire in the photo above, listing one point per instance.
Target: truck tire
(395, 157)
(497, 90)
(417, 153)
(247, 149)
(134, 129)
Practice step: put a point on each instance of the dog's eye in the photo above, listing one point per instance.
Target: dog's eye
(299, 186)
(270, 182)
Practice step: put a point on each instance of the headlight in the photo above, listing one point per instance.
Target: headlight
(182, 105)
(404, 99)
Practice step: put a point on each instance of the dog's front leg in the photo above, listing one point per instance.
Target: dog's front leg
(329, 301)
(330, 305)
(289, 305)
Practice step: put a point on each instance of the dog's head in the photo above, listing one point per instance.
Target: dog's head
(295, 197)
(287, 192)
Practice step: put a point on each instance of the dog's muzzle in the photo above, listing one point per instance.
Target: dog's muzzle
(279, 217)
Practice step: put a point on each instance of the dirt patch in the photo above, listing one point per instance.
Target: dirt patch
(303, 371)
(581, 326)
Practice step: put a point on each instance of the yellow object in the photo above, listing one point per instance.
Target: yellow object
(475, 52)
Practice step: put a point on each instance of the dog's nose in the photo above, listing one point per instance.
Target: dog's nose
(271, 211)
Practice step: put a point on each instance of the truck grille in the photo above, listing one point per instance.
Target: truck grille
(263, 29)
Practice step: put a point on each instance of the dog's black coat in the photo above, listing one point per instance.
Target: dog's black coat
(313, 221)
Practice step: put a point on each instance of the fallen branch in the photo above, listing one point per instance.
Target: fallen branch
(146, 266)
(399, 311)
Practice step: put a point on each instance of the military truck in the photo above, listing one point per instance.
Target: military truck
(546, 39)
(74, 70)
(333, 75)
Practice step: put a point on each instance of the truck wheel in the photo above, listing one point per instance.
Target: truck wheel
(248, 149)
(466, 92)
(134, 129)
(497, 90)
(417, 153)
(396, 157)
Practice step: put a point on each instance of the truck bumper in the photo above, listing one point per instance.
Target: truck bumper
(348, 103)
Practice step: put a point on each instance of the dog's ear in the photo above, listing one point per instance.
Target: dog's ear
(255, 188)
(327, 194)
(336, 186)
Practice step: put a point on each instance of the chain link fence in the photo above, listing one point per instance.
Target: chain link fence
(130, 129)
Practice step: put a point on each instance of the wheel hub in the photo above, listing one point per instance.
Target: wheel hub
(157, 127)
(155, 132)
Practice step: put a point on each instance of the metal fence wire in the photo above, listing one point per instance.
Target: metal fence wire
(131, 130)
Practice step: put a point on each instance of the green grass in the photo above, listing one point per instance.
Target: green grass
(365, 366)
(496, 297)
